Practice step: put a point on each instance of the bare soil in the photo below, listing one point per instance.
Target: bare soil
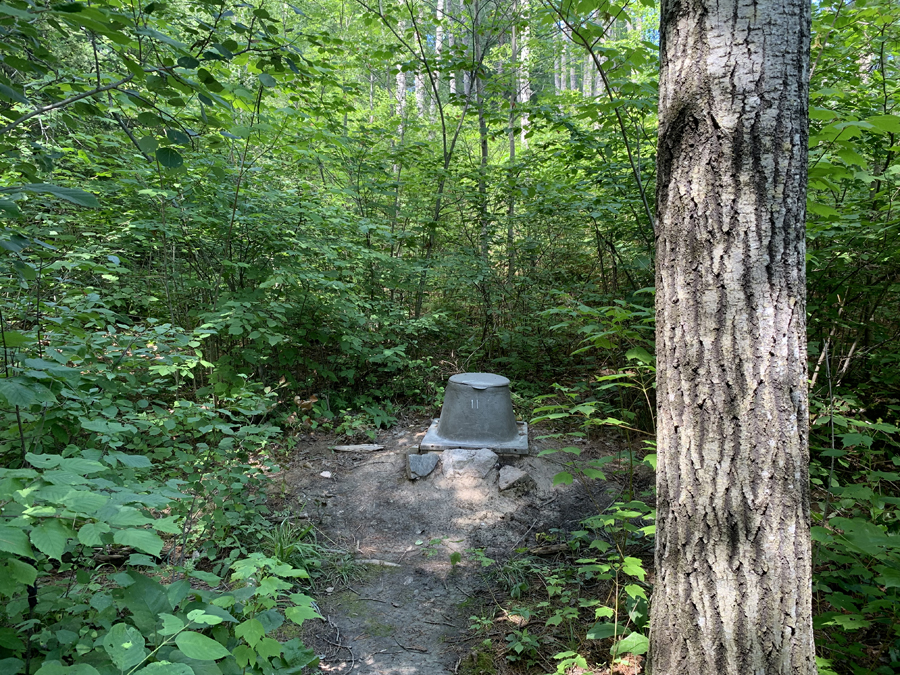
(408, 612)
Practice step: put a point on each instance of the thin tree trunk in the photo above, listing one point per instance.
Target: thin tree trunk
(438, 51)
(587, 77)
(524, 77)
(557, 70)
(511, 209)
(733, 589)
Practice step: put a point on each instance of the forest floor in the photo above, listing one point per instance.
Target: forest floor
(409, 615)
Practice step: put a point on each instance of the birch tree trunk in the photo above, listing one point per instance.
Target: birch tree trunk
(587, 77)
(557, 67)
(524, 75)
(733, 588)
(438, 52)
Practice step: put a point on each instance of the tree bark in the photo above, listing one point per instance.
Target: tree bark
(733, 588)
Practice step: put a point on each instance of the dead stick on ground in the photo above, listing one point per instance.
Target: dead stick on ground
(410, 649)
(525, 535)
(441, 623)
(375, 561)
(362, 598)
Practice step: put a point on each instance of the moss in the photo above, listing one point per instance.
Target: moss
(376, 628)
(478, 663)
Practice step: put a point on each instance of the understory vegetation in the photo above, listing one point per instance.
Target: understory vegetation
(225, 224)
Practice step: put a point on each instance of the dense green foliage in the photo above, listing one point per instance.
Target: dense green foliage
(227, 221)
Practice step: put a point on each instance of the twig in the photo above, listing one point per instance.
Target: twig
(62, 104)
(441, 623)
(411, 649)
(375, 561)
(350, 588)
(519, 540)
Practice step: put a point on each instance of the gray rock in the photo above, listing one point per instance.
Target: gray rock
(511, 476)
(460, 462)
(419, 466)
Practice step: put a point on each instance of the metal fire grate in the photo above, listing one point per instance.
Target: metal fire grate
(477, 413)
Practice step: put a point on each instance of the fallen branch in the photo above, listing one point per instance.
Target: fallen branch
(375, 561)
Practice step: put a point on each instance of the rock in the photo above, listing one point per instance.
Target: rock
(511, 476)
(325, 474)
(459, 462)
(364, 447)
(419, 466)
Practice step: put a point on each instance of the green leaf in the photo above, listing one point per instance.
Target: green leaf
(12, 95)
(83, 501)
(171, 624)
(301, 613)
(9, 639)
(206, 577)
(146, 599)
(640, 354)
(169, 158)
(251, 630)
(200, 616)
(887, 123)
(889, 576)
(16, 392)
(635, 591)
(162, 37)
(12, 666)
(634, 567)
(128, 516)
(865, 537)
(13, 338)
(603, 629)
(851, 440)
(564, 478)
(269, 648)
(21, 571)
(633, 644)
(89, 534)
(14, 540)
(148, 144)
(18, 13)
(298, 655)
(56, 668)
(50, 538)
(266, 80)
(168, 525)
(10, 208)
(145, 540)
(165, 668)
(74, 195)
(131, 461)
(197, 646)
(125, 646)
(178, 137)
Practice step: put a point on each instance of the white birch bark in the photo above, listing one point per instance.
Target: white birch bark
(400, 86)
(587, 77)
(524, 74)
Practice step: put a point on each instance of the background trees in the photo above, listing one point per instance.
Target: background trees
(226, 219)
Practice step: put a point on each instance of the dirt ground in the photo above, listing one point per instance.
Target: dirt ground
(407, 613)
